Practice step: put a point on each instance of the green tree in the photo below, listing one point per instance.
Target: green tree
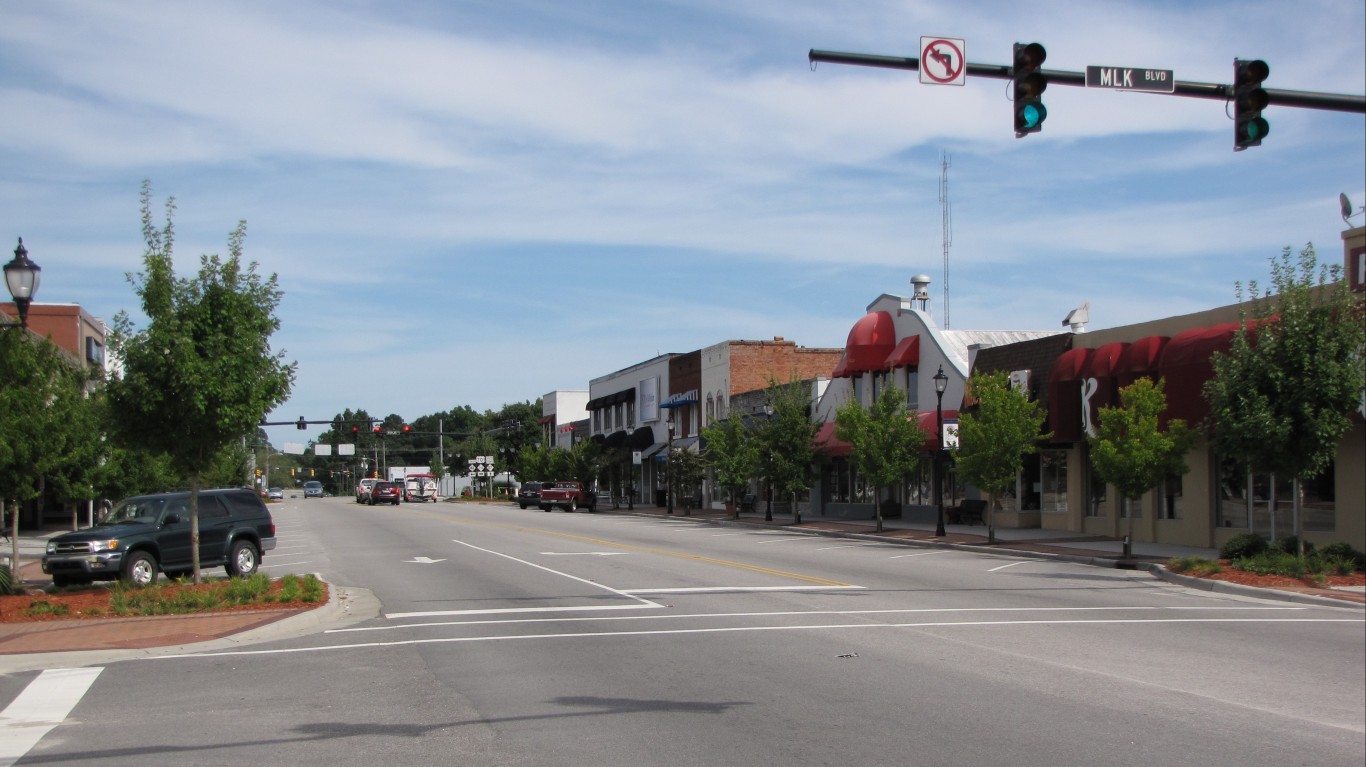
(1132, 452)
(886, 441)
(686, 470)
(1282, 397)
(201, 375)
(41, 392)
(789, 441)
(994, 438)
(732, 455)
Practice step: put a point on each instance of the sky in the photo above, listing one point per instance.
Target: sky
(476, 202)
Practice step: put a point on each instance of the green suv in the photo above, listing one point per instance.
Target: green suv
(150, 534)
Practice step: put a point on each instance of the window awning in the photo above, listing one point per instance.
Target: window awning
(1140, 360)
(680, 399)
(870, 341)
(607, 400)
(615, 439)
(905, 355)
(1064, 395)
(1185, 365)
(826, 442)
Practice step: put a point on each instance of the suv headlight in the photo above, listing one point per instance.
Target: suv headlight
(107, 545)
(52, 547)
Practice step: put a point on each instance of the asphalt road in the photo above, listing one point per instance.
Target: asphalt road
(512, 637)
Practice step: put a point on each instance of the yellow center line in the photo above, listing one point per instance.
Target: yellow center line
(641, 549)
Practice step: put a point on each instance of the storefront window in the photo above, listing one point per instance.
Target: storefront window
(1053, 481)
(912, 399)
(1318, 504)
(835, 485)
(1170, 499)
(920, 483)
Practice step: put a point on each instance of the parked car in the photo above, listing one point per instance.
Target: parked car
(384, 492)
(276, 494)
(363, 489)
(568, 495)
(529, 494)
(313, 489)
(146, 535)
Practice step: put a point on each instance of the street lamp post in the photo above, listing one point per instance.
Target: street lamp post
(941, 382)
(668, 466)
(22, 277)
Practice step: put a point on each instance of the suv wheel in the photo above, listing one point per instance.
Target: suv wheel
(573, 506)
(243, 560)
(140, 569)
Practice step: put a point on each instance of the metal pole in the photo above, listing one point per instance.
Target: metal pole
(938, 452)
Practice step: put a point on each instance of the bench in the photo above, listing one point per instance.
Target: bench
(968, 512)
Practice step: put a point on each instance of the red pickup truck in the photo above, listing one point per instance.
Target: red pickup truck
(568, 496)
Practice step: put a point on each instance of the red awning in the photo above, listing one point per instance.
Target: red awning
(870, 341)
(545, 419)
(1140, 360)
(905, 355)
(1064, 394)
(926, 422)
(828, 443)
(1185, 365)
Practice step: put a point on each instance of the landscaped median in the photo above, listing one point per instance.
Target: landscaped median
(121, 600)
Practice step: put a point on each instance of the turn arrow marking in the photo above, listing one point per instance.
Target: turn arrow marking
(423, 561)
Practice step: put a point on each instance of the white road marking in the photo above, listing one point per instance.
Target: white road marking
(782, 613)
(1012, 564)
(519, 610)
(920, 554)
(422, 561)
(582, 553)
(742, 629)
(726, 589)
(42, 705)
(848, 546)
(790, 539)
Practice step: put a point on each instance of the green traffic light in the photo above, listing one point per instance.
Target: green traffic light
(1030, 115)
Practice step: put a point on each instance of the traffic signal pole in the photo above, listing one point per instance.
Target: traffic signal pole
(1333, 102)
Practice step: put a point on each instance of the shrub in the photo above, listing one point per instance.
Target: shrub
(1273, 563)
(1198, 566)
(1343, 550)
(1291, 545)
(1243, 546)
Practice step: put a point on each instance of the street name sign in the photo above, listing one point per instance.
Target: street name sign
(1131, 79)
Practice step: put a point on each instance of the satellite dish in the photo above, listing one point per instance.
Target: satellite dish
(1346, 207)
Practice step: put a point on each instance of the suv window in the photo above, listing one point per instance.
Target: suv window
(211, 508)
(243, 504)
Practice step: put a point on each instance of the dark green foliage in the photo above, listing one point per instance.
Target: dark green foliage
(1243, 545)
(1290, 545)
(1344, 551)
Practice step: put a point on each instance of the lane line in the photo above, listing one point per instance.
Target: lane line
(1012, 564)
(42, 705)
(743, 629)
(732, 589)
(673, 616)
(921, 554)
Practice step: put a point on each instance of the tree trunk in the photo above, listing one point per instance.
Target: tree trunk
(194, 525)
(877, 507)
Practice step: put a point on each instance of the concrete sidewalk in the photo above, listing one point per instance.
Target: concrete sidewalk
(353, 605)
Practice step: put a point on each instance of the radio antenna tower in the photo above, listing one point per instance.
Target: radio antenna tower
(948, 227)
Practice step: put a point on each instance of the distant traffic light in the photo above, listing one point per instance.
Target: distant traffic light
(378, 429)
(1249, 99)
(302, 424)
(1027, 91)
(355, 431)
(258, 473)
(407, 429)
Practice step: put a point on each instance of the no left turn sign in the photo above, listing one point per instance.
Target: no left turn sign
(943, 61)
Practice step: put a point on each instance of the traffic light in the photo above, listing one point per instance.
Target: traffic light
(310, 472)
(337, 424)
(378, 429)
(1249, 99)
(258, 473)
(302, 424)
(1027, 91)
(407, 429)
(355, 431)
